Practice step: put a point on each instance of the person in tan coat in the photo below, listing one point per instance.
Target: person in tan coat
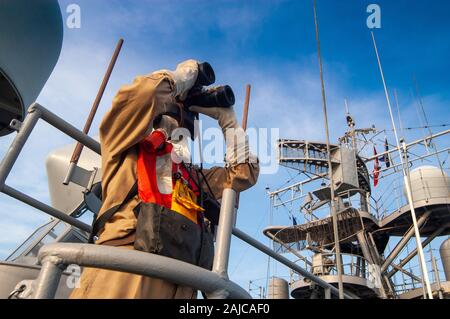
(123, 129)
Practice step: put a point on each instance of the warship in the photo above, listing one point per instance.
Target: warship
(339, 244)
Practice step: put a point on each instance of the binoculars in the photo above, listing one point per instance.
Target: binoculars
(200, 95)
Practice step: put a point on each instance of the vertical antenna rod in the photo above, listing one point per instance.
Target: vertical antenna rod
(78, 149)
(244, 122)
(423, 265)
(330, 170)
(246, 105)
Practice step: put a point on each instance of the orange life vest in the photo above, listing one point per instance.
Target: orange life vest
(184, 193)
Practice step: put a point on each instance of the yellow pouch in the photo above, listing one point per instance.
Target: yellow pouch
(184, 201)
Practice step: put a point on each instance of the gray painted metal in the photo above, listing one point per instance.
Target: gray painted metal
(36, 112)
(13, 273)
(436, 276)
(68, 129)
(68, 197)
(402, 243)
(45, 208)
(49, 276)
(278, 289)
(444, 251)
(369, 256)
(223, 237)
(17, 145)
(253, 242)
(349, 282)
(429, 182)
(345, 175)
(418, 292)
(31, 41)
(132, 261)
(365, 247)
(411, 255)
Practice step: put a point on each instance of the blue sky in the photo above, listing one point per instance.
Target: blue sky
(270, 44)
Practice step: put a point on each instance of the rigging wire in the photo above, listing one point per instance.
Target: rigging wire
(268, 257)
(406, 178)
(330, 171)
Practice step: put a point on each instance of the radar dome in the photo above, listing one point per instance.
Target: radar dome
(31, 34)
(429, 182)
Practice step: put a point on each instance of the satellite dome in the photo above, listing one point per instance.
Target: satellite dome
(429, 182)
(31, 34)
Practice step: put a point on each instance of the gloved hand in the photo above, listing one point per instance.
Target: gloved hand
(184, 76)
(237, 149)
(224, 115)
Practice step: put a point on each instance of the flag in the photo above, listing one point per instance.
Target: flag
(387, 160)
(376, 168)
(294, 221)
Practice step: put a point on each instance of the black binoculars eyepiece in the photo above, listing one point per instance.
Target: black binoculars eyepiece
(201, 95)
(206, 75)
(219, 96)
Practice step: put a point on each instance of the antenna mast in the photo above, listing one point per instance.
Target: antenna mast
(330, 170)
(406, 179)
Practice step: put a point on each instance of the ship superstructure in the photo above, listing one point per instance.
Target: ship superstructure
(367, 222)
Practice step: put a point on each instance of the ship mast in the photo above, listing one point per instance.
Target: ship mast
(330, 170)
(406, 179)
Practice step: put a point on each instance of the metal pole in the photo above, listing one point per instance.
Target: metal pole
(77, 152)
(48, 280)
(401, 244)
(246, 105)
(436, 274)
(17, 145)
(224, 229)
(244, 127)
(423, 265)
(292, 251)
(68, 129)
(45, 208)
(409, 145)
(413, 160)
(79, 147)
(406, 180)
(330, 169)
(144, 264)
(411, 255)
(410, 274)
(367, 253)
(253, 242)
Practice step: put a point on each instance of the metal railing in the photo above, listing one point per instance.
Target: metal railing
(408, 283)
(394, 197)
(56, 257)
(352, 265)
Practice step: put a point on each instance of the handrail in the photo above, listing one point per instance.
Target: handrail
(55, 257)
(24, 130)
